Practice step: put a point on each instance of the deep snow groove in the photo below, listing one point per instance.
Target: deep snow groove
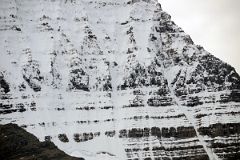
(188, 113)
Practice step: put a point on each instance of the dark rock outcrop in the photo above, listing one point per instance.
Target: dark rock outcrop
(16, 143)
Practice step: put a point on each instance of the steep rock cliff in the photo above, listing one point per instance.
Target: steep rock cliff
(108, 79)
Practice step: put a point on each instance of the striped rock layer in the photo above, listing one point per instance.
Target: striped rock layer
(108, 79)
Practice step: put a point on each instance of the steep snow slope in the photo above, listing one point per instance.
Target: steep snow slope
(108, 79)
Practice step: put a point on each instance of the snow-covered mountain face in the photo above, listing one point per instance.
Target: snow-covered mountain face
(110, 79)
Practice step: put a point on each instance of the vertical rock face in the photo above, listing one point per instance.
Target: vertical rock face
(108, 79)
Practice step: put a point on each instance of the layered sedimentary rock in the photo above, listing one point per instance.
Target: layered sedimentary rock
(108, 79)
